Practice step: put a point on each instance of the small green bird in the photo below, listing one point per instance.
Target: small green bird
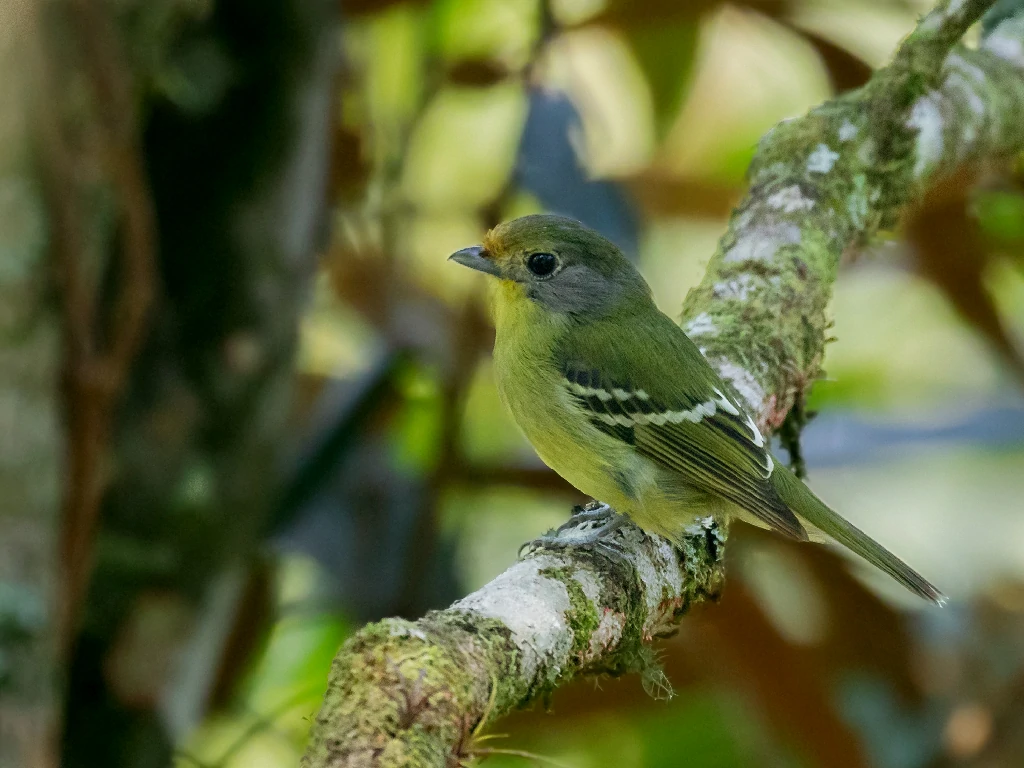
(618, 401)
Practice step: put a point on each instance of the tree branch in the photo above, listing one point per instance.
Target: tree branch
(415, 693)
(96, 369)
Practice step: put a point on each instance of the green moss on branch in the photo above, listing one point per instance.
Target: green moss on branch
(828, 182)
(414, 694)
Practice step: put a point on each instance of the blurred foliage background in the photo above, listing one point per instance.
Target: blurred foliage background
(391, 482)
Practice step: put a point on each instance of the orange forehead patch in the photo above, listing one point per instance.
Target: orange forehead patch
(492, 241)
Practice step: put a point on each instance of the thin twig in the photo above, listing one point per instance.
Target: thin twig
(123, 155)
(96, 365)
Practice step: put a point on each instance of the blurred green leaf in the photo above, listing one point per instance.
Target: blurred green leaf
(388, 51)
(699, 729)
(752, 71)
(288, 681)
(665, 53)
(417, 428)
(502, 30)
(464, 147)
(237, 741)
(1000, 215)
(624, 12)
(292, 674)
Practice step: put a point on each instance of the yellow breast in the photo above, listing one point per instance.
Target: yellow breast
(530, 386)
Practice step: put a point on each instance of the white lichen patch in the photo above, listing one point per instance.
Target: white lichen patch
(954, 8)
(699, 527)
(926, 118)
(610, 624)
(532, 606)
(406, 630)
(934, 20)
(589, 584)
(790, 200)
(857, 202)
(745, 218)
(656, 567)
(959, 82)
(743, 382)
(848, 131)
(821, 159)
(958, 62)
(866, 151)
(701, 325)
(740, 288)
(1007, 42)
(608, 632)
(762, 242)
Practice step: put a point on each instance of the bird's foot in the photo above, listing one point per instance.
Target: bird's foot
(590, 525)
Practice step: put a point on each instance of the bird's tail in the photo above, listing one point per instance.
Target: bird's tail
(809, 507)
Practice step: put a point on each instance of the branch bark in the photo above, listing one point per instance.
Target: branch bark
(415, 693)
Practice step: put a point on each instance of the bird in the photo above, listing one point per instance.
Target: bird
(615, 397)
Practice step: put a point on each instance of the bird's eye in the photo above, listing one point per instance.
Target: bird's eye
(541, 264)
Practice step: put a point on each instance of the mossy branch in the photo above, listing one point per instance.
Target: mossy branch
(828, 182)
(408, 693)
(415, 693)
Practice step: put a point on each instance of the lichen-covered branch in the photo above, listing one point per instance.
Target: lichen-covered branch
(414, 693)
(827, 182)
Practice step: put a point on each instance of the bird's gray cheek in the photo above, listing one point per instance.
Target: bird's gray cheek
(557, 298)
(573, 297)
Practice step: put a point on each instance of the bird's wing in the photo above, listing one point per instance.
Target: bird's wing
(644, 382)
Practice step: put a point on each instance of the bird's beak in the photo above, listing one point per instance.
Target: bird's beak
(474, 258)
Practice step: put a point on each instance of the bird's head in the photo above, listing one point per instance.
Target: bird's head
(558, 263)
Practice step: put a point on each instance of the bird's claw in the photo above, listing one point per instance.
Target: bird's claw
(597, 522)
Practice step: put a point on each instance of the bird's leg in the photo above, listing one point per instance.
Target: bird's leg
(589, 526)
(595, 511)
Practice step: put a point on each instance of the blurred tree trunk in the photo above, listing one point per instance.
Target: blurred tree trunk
(30, 440)
(224, 112)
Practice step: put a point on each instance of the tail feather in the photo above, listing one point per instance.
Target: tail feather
(806, 505)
